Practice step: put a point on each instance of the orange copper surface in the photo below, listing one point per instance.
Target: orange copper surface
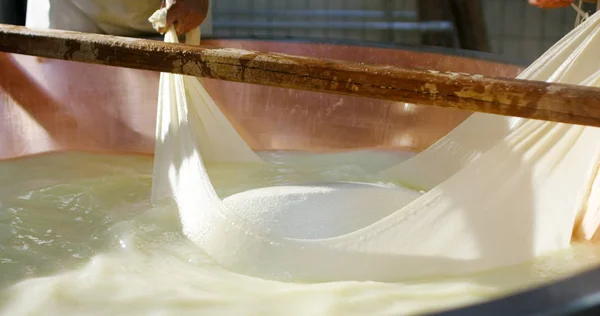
(50, 105)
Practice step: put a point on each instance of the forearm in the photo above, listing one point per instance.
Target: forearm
(550, 4)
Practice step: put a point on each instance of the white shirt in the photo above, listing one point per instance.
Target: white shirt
(114, 17)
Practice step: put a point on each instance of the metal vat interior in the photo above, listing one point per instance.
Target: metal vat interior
(53, 105)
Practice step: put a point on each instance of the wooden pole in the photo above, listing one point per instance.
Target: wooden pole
(511, 97)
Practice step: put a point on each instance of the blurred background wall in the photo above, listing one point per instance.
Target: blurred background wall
(513, 28)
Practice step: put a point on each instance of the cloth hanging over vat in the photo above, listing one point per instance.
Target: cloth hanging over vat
(507, 196)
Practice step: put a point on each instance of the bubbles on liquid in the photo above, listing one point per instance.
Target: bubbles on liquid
(23, 247)
(137, 234)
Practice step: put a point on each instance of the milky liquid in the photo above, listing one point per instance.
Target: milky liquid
(79, 236)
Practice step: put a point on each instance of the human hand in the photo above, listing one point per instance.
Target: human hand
(551, 4)
(185, 15)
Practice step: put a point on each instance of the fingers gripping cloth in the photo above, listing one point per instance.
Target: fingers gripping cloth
(185, 109)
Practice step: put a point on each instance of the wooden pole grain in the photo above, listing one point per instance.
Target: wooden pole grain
(528, 99)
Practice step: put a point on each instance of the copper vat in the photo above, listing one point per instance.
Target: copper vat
(53, 105)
